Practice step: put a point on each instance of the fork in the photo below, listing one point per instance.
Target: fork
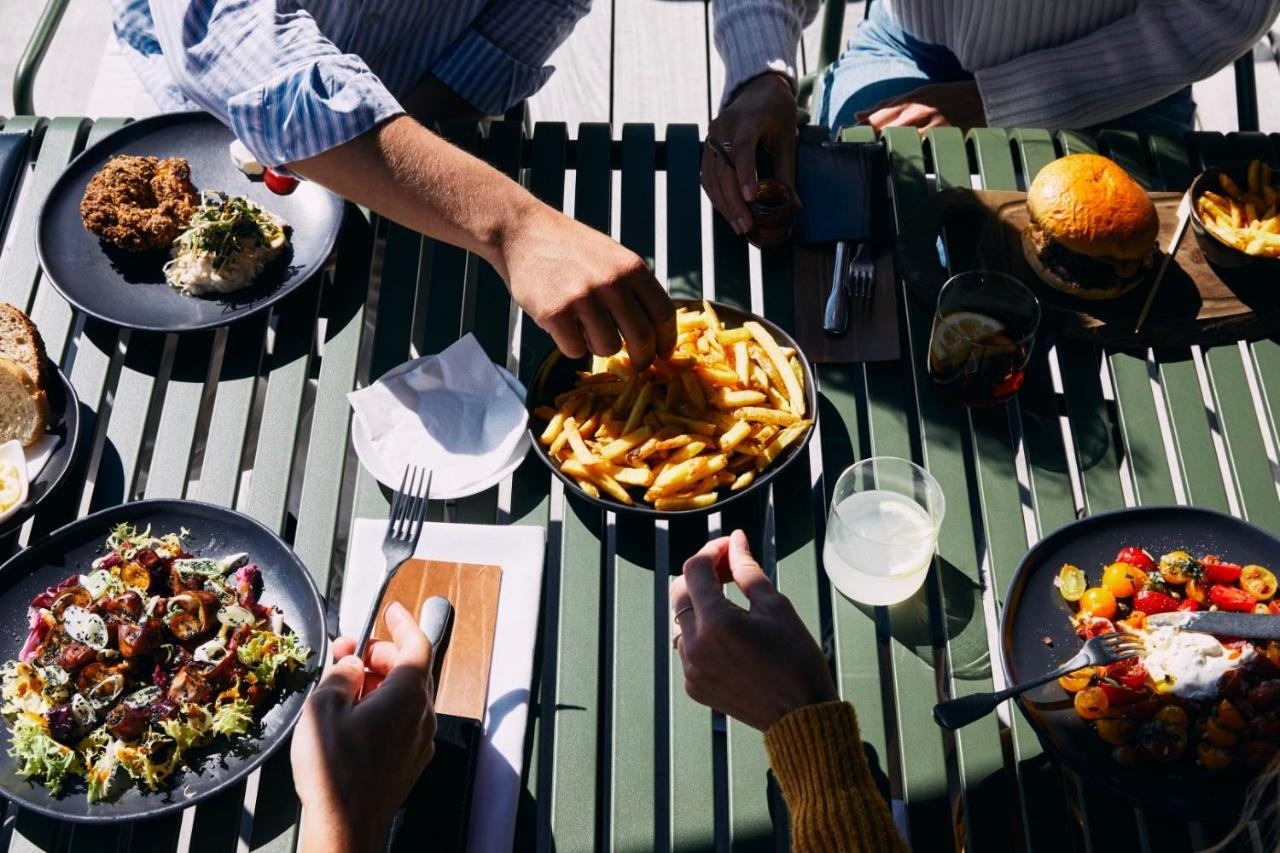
(853, 278)
(404, 528)
(1102, 649)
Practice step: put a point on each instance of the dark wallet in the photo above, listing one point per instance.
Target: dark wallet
(841, 186)
(438, 812)
(13, 153)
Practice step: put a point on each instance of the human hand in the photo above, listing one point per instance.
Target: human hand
(762, 111)
(933, 105)
(364, 738)
(755, 665)
(583, 289)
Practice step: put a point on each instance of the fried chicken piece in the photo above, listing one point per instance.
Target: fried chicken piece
(139, 203)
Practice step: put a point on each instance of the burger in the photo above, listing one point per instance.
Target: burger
(1093, 229)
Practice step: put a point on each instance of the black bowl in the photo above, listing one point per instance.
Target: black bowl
(129, 289)
(1220, 253)
(557, 374)
(214, 529)
(1036, 637)
(64, 422)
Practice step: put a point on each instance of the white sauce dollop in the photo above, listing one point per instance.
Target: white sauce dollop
(1191, 663)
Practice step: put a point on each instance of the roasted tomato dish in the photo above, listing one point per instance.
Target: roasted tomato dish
(1189, 696)
(152, 653)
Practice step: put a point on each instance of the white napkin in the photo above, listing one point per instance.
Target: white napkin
(455, 413)
(39, 454)
(519, 550)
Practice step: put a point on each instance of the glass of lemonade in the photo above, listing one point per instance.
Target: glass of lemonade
(882, 529)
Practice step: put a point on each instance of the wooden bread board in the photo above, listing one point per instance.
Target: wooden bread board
(463, 676)
(984, 229)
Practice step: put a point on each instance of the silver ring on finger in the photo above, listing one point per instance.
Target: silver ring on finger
(682, 611)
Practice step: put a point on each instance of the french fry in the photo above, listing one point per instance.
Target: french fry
(588, 487)
(734, 436)
(1231, 187)
(628, 442)
(1253, 177)
(579, 447)
(781, 443)
(690, 424)
(743, 480)
(733, 336)
(638, 407)
(713, 319)
(679, 504)
(676, 441)
(762, 415)
(688, 451)
(690, 320)
(552, 429)
(561, 438)
(726, 398)
(765, 434)
(742, 362)
(639, 476)
(693, 391)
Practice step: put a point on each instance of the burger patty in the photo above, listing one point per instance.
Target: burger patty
(1089, 273)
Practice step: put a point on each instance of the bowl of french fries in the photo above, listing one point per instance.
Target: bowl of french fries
(1235, 214)
(725, 413)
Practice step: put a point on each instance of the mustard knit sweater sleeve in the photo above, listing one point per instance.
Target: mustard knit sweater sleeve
(817, 756)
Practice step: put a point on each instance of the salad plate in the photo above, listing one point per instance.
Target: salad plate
(285, 598)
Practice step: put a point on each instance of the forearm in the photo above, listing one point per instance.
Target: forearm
(834, 803)
(755, 36)
(325, 831)
(406, 173)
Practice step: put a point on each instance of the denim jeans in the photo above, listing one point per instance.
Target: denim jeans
(882, 61)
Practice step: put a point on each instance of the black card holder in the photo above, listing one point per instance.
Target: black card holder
(13, 154)
(438, 812)
(842, 191)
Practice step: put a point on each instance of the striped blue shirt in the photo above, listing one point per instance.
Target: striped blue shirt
(294, 78)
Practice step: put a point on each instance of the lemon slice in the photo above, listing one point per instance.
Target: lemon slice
(958, 332)
(10, 485)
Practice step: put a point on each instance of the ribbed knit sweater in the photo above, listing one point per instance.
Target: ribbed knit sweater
(1038, 63)
(835, 806)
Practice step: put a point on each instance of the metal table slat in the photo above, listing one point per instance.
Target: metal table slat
(244, 349)
(921, 769)
(633, 683)
(179, 417)
(686, 794)
(20, 267)
(1044, 820)
(344, 311)
(975, 777)
(118, 466)
(857, 634)
(531, 495)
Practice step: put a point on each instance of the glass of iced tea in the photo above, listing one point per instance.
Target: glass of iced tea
(983, 332)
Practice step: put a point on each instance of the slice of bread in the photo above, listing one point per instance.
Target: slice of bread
(23, 407)
(20, 341)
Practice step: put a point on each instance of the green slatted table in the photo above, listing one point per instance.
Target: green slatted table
(616, 756)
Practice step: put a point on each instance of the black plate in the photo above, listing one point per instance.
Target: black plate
(128, 289)
(64, 422)
(214, 530)
(557, 374)
(1034, 610)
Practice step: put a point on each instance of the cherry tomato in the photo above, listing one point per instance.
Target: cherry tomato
(1189, 606)
(278, 183)
(1273, 653)
(1074, 682)
(1172, 715)
(1091, 703)
(1264, 695)
(1218, 734)
(1118, 695)
(1163, 744)
(1099, 601)
(1273, 607)
(1130, 673)
(1177, 567)
(1114, 732)
(1231, 598)
(1229, 716)
(1071, 582)
(1136, 557)
(1213, 757)
(1123, 579)
(1142, 710)
(1196, 591)
(1258, 582)
(1150, 601)
(1216, 571)
(1135, 621)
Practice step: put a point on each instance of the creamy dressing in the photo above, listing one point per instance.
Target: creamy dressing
(1190, 663)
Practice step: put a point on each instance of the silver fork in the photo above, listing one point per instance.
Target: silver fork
(1102, 649)
(404, 528)
(862, 275)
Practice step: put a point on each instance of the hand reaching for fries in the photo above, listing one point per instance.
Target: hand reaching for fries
(722, 408)
(1248, 220)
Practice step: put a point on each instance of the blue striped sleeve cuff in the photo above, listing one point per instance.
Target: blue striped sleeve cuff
(309, 109)
(486, 76)
(755, 36)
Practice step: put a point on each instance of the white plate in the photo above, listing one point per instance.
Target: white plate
(390, 472)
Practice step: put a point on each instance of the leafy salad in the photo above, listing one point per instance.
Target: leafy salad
(152, 653)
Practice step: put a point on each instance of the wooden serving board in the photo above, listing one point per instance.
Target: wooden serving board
(872, 334)
(1196, 303)
(462, 685)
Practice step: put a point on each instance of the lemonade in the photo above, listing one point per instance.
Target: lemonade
(879, 544)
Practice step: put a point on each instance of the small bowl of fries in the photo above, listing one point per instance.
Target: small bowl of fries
(1235, 215)
(728, 411)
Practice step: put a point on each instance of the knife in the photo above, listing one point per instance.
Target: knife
(835, 317)
(1250, 625)
(1184, 216)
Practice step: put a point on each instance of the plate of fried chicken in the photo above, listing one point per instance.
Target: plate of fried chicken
(157, 228)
